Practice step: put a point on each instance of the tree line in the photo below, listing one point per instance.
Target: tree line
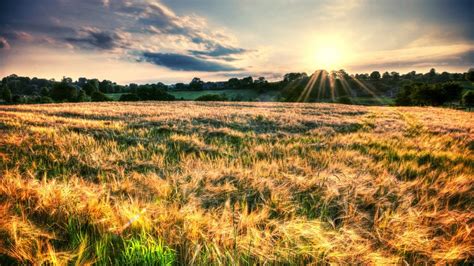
(412, 88)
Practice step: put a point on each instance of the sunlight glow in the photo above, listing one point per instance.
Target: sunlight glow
(327, 52)
(328, 57)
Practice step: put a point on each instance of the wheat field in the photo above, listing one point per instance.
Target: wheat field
(166, 183)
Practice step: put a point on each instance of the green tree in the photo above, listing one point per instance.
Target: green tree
(98, 96)
(7, 95)
(233, 83)
(91, 86)
(44, 91)
(432, 73)
(468, 98)
(404, 96)
(212, 98)
(395, 76)
(293, 76)
(344, 100)
(451, 91)
(427, 94)
(375, 75)
(106, 86)
(82, 96)
(153, 93)
(64, 91)
(45, 99)
(196, 84)
(386, 76)
(470, 75)
(129, 97)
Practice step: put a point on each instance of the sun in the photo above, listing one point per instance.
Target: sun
(329, 52)
(328, 57)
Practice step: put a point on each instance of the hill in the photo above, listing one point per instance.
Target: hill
(228, 183)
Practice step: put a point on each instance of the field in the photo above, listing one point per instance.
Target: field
(242, 94)
(235, 183)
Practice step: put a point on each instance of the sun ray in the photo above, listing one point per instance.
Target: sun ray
(322, 84)
(307, 88)
(367, 89)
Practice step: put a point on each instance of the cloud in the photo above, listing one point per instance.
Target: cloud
(219, 51)
(96, 38)
(128, 27)
(460, 55)
(185, 62)
(158, 19)
(4, 44)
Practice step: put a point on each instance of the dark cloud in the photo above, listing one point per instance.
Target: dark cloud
(108, 25)
(185, 62)
(96, 38)
(219, 51)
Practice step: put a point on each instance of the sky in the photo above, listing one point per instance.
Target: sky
(144, 41)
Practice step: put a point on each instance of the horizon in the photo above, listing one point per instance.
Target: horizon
(146, 41)
(276, 80)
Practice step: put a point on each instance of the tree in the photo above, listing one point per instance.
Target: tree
(129, 97)
(386, 76)
(233, 83)
(470, 75)
(395, 76)
(261, 80)
(294, 76)
(375, 75)
(404, 96)
(45, 99)
(468, 98)
(432, 73)
(212, 97)
(426, 94)
(248, 81)
(7, 95)
(67, 80)
(344, 100)
(196, 84)
(64, 91)
(153, 93)
(44, 91)
(106, 86)
(180, 86)
(91, 86)
(451, 91)
(98, 96)
(82, 96)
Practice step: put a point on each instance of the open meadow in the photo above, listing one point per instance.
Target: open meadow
(235, 183)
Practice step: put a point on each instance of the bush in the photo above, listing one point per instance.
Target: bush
(344, 100)
(129, 97)
(82, 97)
(45, 99)
(149, 93)
(468, 98)
(428, 94)
(98, 96)
(211, 97)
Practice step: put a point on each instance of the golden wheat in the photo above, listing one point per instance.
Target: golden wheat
(235, 183)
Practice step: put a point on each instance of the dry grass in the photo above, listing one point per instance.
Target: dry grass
(227, 183)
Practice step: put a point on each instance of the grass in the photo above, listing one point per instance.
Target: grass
(241, 94)
(161, 183)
